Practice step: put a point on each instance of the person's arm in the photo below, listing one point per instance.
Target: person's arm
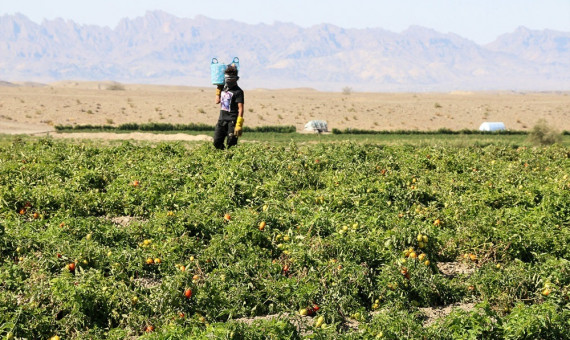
(219, 93)
(239, 123)
(240, 110)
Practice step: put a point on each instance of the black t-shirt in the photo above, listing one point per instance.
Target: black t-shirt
(229, 103)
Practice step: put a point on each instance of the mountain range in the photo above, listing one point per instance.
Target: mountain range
(161, 48)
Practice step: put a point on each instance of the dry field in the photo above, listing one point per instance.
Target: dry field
(35, 109)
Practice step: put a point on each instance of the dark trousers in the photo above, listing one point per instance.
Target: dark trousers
(225, 129)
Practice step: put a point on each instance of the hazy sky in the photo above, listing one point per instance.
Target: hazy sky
(478, 20)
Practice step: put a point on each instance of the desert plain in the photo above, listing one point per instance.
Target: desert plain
(27, 108)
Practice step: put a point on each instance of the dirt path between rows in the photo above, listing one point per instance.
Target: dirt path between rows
(132, 136)
(15, 128)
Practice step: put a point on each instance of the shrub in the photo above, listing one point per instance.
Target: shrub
(116, 87)
(543, 134)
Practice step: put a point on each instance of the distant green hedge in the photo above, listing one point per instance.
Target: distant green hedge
(442, 131)
(153, 127)
(269, 128)
(156, 127)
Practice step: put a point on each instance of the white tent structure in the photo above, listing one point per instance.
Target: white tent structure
(317, 126)
(492, 126)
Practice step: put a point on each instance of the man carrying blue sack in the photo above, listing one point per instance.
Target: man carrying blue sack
(231, 99)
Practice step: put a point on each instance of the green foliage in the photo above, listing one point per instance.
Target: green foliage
(539, 321)
(480, 323)
(143, 223)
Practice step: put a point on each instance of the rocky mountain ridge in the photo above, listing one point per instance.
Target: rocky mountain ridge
(161, 48)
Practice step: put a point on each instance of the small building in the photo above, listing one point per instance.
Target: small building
(492, 126)
(317, 126)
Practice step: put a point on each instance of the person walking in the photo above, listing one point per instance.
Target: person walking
(231, 99)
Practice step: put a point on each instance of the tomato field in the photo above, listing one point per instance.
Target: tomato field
(327, 240)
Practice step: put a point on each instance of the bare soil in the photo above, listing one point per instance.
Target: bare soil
(452, 269)
(37, 109)
(435, 313)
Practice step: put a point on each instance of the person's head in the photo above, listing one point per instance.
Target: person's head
(230, 76)
(232, 71)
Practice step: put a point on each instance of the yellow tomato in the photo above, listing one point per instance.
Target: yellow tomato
(320, 321)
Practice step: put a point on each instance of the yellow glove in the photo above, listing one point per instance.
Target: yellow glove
(219, 90)
(239, 126)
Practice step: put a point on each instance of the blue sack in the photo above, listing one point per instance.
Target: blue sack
(235, 63)
(217, 72)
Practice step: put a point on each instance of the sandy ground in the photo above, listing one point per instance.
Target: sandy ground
(33, 109)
